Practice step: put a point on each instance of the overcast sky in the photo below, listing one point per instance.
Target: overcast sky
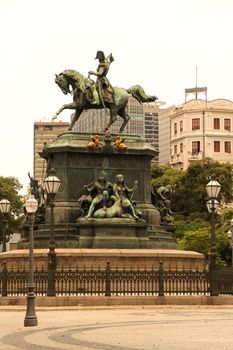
(156, 44)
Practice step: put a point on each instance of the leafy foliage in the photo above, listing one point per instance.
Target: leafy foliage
(197, 240)
(185, 224)
(9, 188)
(165, 175)
(190, 195)
(223, 248)
(195, 235)
(188, 201)
(223, 244)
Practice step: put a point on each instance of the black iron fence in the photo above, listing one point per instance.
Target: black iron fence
(225, 281)
(116, 282)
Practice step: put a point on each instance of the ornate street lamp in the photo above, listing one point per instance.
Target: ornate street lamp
(30, 319)
(51, 187)
(212, 205)
(213, 188)
(52, 183)
(5, 207)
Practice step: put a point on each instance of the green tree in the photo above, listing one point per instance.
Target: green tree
(193, 233)
(165, 175)
(9, 188)
(190, 194)
(223, 249)
(223, 244)
(196, 240)
(225, 219)
(190, 223)
(188, 201)
(199, 241)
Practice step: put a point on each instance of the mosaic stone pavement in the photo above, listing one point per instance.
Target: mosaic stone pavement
(157, 328)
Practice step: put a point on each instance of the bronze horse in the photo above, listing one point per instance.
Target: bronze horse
(81, 102)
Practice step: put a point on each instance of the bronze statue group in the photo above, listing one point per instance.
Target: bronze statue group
(103, 199)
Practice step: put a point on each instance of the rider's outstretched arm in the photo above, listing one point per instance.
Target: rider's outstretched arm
(98, 74)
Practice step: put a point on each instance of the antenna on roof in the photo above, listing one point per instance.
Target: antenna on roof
(196, 91)
(196, 82)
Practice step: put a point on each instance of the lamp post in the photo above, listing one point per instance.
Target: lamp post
(5, 207)
(51, 187)
(30, 319)
(213, 189)
(230, 237)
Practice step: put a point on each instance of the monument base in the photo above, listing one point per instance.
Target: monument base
(76, 166)
(66, 236)
(112, 233)
(127, 258)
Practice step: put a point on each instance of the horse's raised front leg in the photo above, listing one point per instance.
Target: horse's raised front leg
(74, 119)
(113, 118)
(126, 119)
(66, 106)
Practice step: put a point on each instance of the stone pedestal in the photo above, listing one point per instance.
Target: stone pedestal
(121, 258)
(77, 165)
(112, 233)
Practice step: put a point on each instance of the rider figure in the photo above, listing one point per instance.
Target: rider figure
(103, 86)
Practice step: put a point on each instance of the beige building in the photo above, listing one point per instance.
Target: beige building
(44, 132)
(200, 129)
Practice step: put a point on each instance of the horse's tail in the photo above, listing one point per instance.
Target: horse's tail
(138, 92)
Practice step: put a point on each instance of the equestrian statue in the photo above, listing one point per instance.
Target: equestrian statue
(88, 94)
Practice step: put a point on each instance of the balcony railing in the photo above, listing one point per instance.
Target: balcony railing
(195, 156)
(177, 158)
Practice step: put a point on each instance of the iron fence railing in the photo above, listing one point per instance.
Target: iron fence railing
(225, 281)
(114, 281)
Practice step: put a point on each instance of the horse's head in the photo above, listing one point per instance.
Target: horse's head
(63, 83)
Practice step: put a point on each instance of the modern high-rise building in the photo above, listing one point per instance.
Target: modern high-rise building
(164, 135)
(143, 122)
(151, 124)
(200, 129)
(95, 120)
(44, 132)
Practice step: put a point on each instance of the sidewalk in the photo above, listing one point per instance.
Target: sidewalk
(124, 328)
(89, 301)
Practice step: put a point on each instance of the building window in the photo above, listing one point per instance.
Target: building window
(175, 149)
(181, 125)
(175, 128)
(227, 124)
(216, 146)
(227, 146)
(181, 148)
(47, 127)
(216, 123)
(195, 147)
(196, 123)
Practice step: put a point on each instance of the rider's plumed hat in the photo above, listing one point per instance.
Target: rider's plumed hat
(100, 55)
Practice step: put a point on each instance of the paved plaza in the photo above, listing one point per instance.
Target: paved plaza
(131, 328)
